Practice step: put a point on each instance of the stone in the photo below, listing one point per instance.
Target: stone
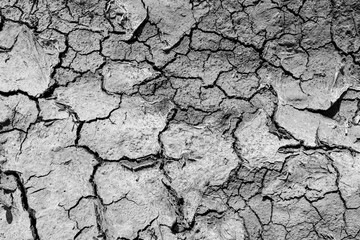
(257, 145)
(14, 220)
(89, 62)
(126, 16)
(134, 126)
(208, 160)
(84, 41)
(83, 95)
(174, 20)
(17, 112)
(237, 84)
(124, 77)
(25, 67)
(142, 194)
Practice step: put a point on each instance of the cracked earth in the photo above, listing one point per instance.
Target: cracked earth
(179, 120)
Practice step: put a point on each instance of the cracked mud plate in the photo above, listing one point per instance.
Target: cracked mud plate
(179, 120)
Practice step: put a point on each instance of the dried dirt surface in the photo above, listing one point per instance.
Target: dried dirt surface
(179, 119)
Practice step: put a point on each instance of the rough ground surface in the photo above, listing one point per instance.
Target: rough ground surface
(179, 119)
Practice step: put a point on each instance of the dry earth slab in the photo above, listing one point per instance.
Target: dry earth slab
(179, 120)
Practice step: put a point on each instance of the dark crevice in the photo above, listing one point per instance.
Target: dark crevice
(139, 30)
(99, 207)
(5, 123)
(274, 126)
(180, 225)
(25, 203)
(78, 133)
(332, 111)
(49, 91)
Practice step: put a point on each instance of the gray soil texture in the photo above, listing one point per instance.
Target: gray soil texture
(179, 119)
